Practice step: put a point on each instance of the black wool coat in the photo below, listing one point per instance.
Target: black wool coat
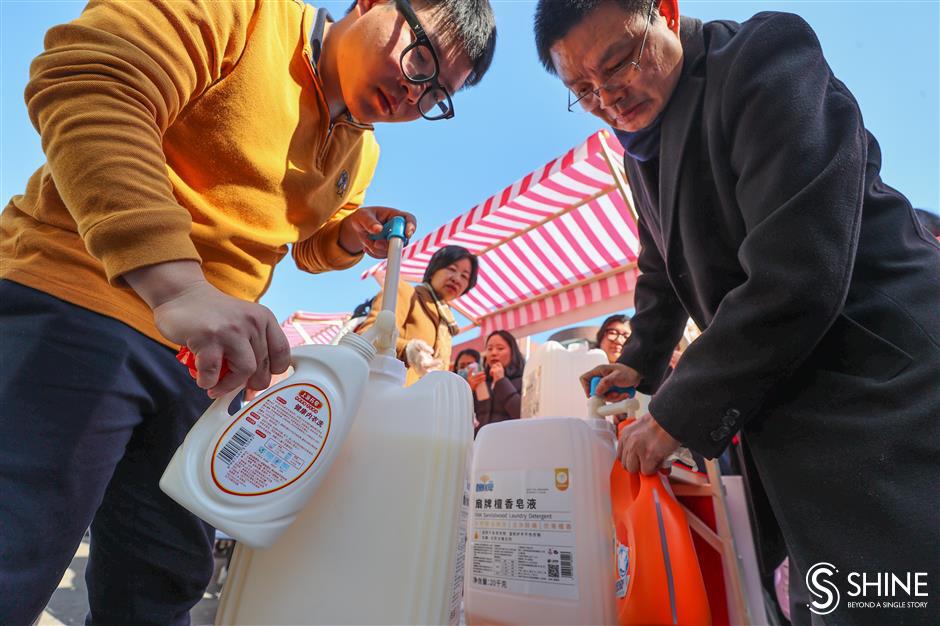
(504, 403)
(765, 219)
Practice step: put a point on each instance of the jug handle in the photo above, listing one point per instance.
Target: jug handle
(222, 402)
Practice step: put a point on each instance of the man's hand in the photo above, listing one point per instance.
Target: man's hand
(188, 310)
(644, 445)
(613, 375)
(356, 227)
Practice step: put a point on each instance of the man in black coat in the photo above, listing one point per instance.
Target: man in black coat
(763, 217)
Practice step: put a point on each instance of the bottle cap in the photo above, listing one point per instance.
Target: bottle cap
(187, 358)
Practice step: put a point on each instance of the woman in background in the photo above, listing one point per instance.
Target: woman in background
(467, 366)
(425, 322)
(465, 361)
(612, 336)
(500, 397)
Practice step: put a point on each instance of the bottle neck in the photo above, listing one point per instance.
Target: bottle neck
(388, 369)
(358, 344)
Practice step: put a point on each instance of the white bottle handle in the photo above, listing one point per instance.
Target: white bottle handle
(221, 403)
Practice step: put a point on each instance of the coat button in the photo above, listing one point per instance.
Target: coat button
(720, 433)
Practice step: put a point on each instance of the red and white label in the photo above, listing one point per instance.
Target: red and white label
(272, 442)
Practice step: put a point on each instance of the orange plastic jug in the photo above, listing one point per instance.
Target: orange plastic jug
(658, 578)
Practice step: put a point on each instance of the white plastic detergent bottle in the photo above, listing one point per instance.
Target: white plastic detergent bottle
(551, 382)
(383, 540)
(249, 474)
(540, 532)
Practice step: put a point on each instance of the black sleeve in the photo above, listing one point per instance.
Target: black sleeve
(798, 149)
(659, 320)
(483, 408)
(506, 394)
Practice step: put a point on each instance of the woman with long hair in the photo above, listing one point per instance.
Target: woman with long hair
(499, 397)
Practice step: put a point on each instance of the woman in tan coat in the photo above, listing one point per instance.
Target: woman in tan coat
(425, 322)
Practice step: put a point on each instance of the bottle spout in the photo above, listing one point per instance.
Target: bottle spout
(383, 334)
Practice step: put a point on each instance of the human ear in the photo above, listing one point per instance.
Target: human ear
(363, 6)
(669, 10)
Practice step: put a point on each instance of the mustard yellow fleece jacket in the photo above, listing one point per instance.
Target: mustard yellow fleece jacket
(181, 130)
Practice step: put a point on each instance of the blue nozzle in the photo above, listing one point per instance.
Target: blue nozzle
(394, 227)
(630, 391)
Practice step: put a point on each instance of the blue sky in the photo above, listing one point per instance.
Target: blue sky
(886, 52)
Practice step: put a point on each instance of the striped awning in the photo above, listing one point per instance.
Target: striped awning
(313, 328)
(561, 239)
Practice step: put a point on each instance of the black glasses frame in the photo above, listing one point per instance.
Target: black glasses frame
(431, 82)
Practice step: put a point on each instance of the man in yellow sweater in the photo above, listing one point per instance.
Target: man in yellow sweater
(188, 145)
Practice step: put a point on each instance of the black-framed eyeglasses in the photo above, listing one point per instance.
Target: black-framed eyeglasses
(614, 335)
(420, 66)
(587, 98)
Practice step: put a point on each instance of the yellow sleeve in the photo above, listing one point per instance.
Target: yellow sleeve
(101, 95)
(403, 306)
(321, 252)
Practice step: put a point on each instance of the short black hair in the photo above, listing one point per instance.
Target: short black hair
(554, 18)
(448, 255)
(517, 364)
(470, 22)
(613, 319)
(467, 351)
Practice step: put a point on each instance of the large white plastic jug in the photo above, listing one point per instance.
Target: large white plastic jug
(249, 474)
(540, 532)
(551, 382)
(382, 542)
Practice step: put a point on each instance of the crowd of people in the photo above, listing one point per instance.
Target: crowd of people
(188, 152)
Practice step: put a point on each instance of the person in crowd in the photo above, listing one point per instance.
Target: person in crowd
(499, 396)
(189, 147)
(425, 322)
(467, 363)
(612, 335)
(763, 217)
(467, 366)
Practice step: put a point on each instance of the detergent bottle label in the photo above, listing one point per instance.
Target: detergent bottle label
(523, 533)
(272, 442)
(622, 554)
(530, 395)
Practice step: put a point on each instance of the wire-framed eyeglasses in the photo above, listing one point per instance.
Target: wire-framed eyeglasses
(588, 98)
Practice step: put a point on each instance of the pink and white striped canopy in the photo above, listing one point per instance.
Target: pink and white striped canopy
(561, 239)
(313, 328)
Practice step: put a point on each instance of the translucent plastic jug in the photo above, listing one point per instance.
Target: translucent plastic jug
(551, 382)
(540, 532)
(249, 474)
(382, 542)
